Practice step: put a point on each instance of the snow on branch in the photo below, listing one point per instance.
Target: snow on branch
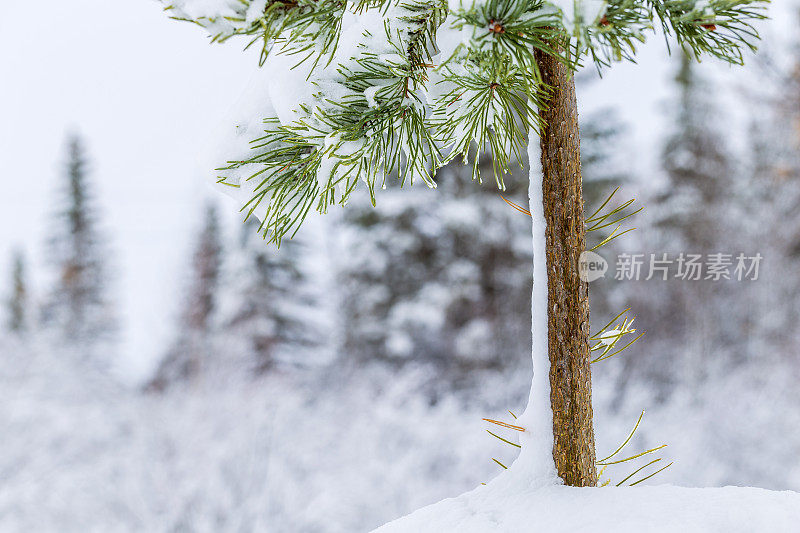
(368, 89)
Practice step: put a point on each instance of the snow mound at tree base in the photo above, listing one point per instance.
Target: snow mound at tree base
(497, 508)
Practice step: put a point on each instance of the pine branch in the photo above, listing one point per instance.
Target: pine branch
(722, 28)
(392, 107)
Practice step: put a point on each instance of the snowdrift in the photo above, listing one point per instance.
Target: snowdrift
(504, 507)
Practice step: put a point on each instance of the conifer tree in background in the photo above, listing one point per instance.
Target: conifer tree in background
(697, 165)
(693, 212)
(192, 348)
(603, 165)
(404, 87)
(787, 141)
(788, 174)
(17, 302)
(271, 304)
(78, 306)
(437, 277)
(772, 201)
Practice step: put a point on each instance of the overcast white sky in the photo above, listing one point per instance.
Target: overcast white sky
(148, 94)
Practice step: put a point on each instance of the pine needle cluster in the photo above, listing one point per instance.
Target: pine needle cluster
(402, 87)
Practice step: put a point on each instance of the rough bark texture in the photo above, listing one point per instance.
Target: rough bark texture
(568, 296)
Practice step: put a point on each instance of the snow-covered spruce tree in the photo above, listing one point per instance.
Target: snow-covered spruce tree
(369, 88)
(692, 212)
(191, 349)
(785, 143)
(603, 166)
(697, 166)
(436, 278)
(787, 174)
(270, 304)
(772, 201)
(17, 299)
(78, 306)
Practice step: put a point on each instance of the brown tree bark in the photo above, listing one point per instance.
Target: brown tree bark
(568, 296)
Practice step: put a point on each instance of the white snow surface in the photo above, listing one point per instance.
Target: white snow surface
(300, 452)
(243, 123)
(293, 84)
(505, 506)
(219, 17)
(536, 458)
(579, 11)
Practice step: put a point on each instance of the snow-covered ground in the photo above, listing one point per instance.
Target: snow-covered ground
(511, 508)
(280, 454)
(329, 452)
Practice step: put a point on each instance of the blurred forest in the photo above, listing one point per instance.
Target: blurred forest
(273, 410)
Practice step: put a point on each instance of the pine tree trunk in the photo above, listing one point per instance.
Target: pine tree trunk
(568, 296)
